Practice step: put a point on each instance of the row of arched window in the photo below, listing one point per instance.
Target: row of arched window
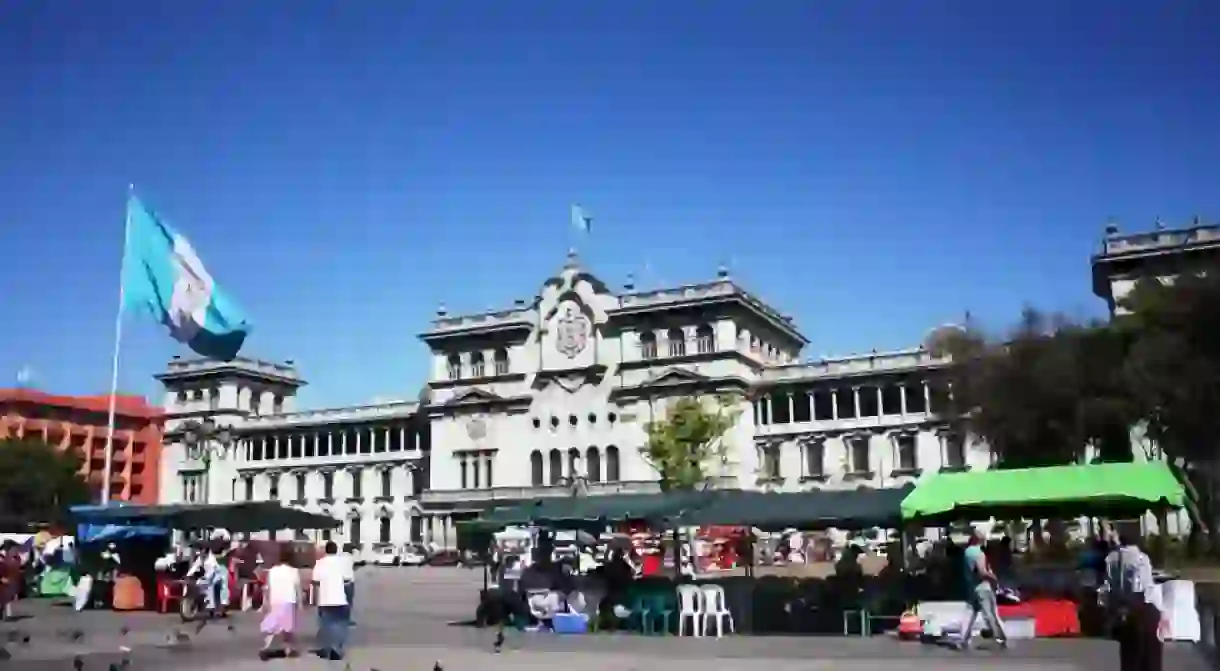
(478, 365)
(675, 342)
(558, 467)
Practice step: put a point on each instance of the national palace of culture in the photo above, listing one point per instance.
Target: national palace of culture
(551, 396)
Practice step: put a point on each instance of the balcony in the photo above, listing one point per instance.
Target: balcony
(514, 494)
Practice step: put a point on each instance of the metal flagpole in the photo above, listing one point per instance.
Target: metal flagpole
(114, 364)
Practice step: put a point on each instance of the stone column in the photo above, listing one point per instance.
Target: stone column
(834, 403)
(791, 408)
(927, 397)
(902, 398)
(855, 394)
(402, 438)
(358, 432)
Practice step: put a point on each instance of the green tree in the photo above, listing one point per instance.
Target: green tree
(37, 481)
(688, 443)
(1173, 371)
(1043, 393)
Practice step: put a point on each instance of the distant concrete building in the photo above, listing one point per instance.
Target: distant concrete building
(79, 423)
(1163, 253)
(553, 394)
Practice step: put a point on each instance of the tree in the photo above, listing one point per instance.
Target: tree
(688, 442)
(37, 481)
(1044, 393)
(1173, 371)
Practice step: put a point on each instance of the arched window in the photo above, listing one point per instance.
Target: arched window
(612, 466)
(476, 364)
(556, 466)
(573, 462)
(677, 342)
(455, 367)
(593, 464)
(501, 362)
(648, 345)
(705, 340)
(537, 478)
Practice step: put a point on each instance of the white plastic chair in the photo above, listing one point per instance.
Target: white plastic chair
(690, 605)
(715, 607)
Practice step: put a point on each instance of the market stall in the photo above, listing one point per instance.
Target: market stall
(1049, 606)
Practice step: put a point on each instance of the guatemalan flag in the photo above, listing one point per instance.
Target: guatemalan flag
(164, 277)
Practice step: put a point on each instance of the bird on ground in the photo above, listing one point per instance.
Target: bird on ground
(25, 639)
(124, 631)
(78, 663)
(114, 666)
(76, 635)
(437, 667)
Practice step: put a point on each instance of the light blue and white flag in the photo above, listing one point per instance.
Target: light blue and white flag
(580, 220)
(163, 277)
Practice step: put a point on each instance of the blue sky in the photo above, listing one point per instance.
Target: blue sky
(873, 167)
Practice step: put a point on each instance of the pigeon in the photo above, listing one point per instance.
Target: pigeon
(437, 666)
(77, 663)
(25, 640)
(231, 627)
(76, 635)
(499, 642)
(124, 631)
(114, 666)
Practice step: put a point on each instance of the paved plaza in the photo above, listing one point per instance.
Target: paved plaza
(405, 620)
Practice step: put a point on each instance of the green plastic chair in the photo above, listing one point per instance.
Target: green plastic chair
(641, 607)
(663, 607)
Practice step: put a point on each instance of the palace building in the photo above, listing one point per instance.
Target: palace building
(550, 397)
(553, 395)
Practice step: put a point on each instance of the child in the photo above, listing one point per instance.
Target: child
(280, 607)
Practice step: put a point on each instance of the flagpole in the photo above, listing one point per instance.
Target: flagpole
(114, 361)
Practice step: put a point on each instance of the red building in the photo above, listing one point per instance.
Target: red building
(79, 423)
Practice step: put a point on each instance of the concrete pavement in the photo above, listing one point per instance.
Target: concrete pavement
(405, 618)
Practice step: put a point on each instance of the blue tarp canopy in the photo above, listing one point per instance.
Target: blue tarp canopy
(93, 533)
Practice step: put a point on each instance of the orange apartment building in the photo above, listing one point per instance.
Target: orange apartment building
(79, 423)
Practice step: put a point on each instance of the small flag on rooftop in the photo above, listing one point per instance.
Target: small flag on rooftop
(581, 221)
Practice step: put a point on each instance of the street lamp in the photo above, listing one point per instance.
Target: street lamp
(204, 440)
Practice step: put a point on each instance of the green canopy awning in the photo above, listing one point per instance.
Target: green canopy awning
(579, 511)
(1100, 489)
(235, 517)
(862, 508)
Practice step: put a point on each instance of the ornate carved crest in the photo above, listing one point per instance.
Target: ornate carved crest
(476, 428)
(572, 334)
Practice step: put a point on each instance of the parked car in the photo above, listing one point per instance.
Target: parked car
(413, 556)
(444, 558)
(386, 556)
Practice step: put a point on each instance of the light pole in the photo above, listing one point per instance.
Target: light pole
(204, 440)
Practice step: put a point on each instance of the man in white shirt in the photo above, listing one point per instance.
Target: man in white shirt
(334, 612)
(1131, 593)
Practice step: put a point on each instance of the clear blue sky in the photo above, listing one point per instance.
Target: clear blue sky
(874, 167)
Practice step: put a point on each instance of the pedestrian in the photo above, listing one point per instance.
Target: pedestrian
(1134, 604)
(280, 608)
(982, 583)
(334, 614)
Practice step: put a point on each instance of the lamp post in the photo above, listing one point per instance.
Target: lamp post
(204, 440)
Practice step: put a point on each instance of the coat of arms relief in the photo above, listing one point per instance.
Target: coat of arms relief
(572, 332)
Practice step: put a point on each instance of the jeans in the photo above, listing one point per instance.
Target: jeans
(218, 584)
(982, 600)
(332, 627)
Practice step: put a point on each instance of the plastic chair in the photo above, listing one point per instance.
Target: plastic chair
(690, 605)
(715, 607)
(641, 608)
(663, 607)
(169, 591)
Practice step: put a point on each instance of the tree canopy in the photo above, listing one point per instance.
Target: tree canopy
(688, 442)
(1050, 388)
(37, 481)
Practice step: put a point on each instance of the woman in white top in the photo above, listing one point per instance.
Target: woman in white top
(280, 607)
